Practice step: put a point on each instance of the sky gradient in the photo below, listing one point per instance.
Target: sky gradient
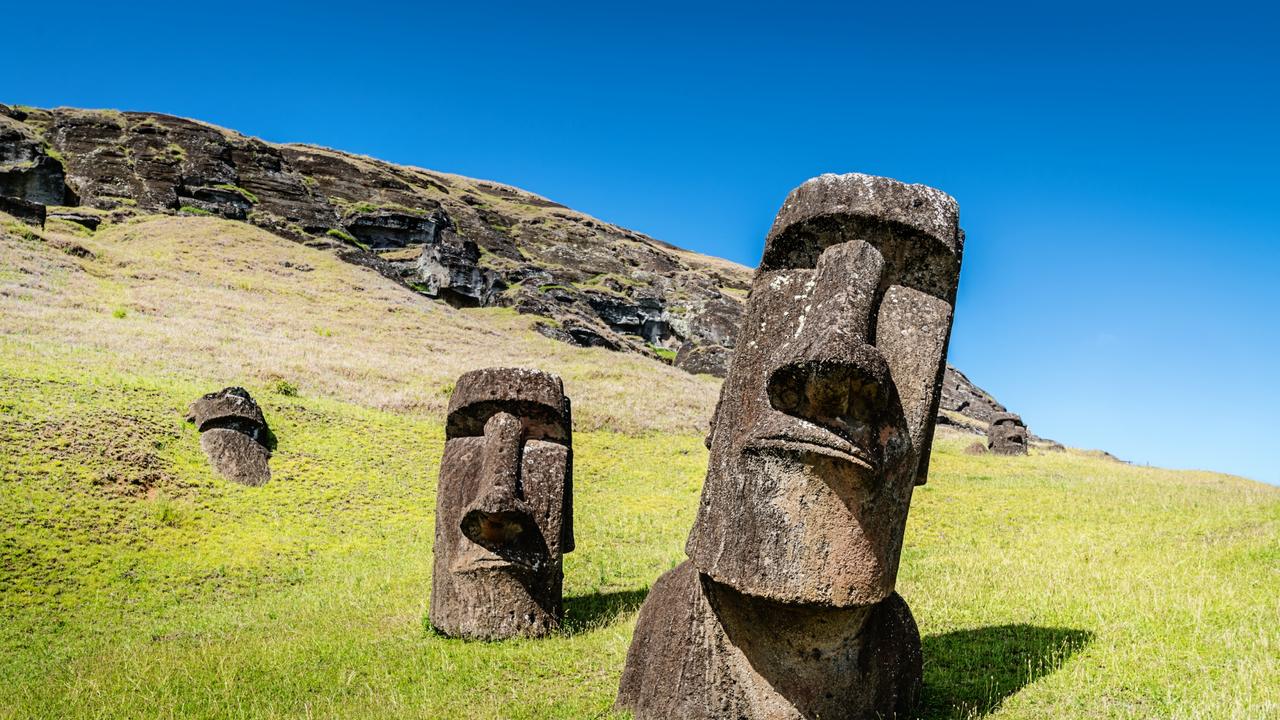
(1115, 167)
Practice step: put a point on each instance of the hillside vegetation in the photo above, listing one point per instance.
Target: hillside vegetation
(135, 583)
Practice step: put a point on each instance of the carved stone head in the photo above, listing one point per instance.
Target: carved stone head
(826, 417)
(234, 435)
(1007, 435)
(504, 506)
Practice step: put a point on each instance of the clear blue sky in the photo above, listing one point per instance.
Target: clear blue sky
(1116, 165)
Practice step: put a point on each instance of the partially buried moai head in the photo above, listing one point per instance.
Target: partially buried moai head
(234, 435)
(504, 506)
(1007, 435)
(826, 417)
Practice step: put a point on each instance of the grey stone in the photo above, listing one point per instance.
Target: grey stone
(234, 435)
(449, 268)
(504, 506)
(1007, 435)
(236, 456)
(26, 211)
(786, 607)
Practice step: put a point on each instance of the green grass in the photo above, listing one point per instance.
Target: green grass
(136, 584)
(667, 354)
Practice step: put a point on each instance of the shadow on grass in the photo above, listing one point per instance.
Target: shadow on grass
(588, 612)
(969, 673)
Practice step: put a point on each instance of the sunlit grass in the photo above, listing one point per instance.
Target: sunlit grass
(135, 583)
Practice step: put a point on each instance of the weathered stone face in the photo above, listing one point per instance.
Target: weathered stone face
(826, 416)
(785, 609)
(1007, 435)
(504, 506)
(234, 434)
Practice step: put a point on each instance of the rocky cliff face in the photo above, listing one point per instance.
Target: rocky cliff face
(467, 242)
(464, 241)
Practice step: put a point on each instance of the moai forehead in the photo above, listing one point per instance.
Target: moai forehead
(534, 396)
(904, 222)
(227, 403)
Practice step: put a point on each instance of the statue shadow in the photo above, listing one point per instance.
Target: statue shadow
(969, 673)
(584, 613)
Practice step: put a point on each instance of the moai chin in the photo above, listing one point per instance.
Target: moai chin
(1007, 435)
(786, 607)
(504, 506)
(234, 435)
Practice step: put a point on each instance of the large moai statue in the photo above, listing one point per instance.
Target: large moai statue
(786, 607)
(504, 506)
(1007, 435)
(234, 435)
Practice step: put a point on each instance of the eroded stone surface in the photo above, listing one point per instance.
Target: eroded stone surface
(504, 506)
(1007, 435)
(234, 434)
(786, 608)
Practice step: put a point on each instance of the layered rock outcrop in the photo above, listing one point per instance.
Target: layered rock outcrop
(466, 242)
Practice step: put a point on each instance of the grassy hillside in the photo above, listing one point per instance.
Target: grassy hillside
(134, 583)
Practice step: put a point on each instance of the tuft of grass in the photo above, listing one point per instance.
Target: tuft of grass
(119, 313)
(237, 189)
(193, 210)
(346, 237)
(283, 387)
(667, 354)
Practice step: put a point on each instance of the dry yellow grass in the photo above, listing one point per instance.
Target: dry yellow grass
(210, 298)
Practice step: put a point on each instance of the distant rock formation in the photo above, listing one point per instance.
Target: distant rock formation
(468, 242)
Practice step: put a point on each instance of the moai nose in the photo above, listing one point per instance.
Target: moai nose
(500, 517)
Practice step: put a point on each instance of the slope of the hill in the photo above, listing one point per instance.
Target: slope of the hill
(225, 301)
(469, 242)
(135, 583)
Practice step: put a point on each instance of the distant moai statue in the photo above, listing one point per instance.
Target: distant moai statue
(1007, 435)
(504, 506)
(786, 607)
(234, 434)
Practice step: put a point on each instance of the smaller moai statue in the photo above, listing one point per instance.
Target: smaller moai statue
(234, 434)
(504, 506)
(1007, 435)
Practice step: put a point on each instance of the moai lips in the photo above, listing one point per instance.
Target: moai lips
(234, 435)
(504, 506)
(1007, 435)
(786, 606)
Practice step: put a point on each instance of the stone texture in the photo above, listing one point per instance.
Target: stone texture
(1007, 435)
(960, 395)
(234, 435)
(702, 651)
(504, 506)
(26, 211)
(786, 608)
